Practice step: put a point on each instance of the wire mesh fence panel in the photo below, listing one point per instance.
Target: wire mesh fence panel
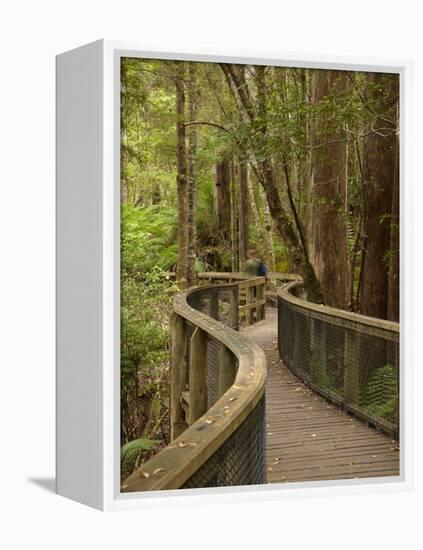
(212, 371)
(240, 460)
(351, 363)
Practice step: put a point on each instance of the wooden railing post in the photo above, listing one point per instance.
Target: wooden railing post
(178, 374)
(197, 376)
(249, 300)
(227, 370)
(256, 298)
(352, 368)
(235, 307)
(260, 296)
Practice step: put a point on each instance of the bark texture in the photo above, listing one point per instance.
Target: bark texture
(192, 176)
(181, 178)
(394, 254)
(251, 112)
(243, 214)
(380, 175)
(328, 228)
(222, 201)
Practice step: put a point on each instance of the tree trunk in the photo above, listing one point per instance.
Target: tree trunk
(192, 180)
(394, 268)
(380, 175)
(328, 227)
(295, 245)
(222, 201)
(235, 261)
(181, 179)
(243, 214)
(282, 224)
(268, 237)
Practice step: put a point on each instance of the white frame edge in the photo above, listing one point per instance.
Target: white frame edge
(104, 491)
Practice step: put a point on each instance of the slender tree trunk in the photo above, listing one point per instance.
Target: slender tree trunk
(394, 268)
(295, 244)
(282, 224)
(255, 218)
(268, 237)
(243, 215)
(380, 175)
(192, 180)
(328, 227)
(235, 263)
(182, 268)
(222, 201)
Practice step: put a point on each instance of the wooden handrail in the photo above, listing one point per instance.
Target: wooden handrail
(352, 324)
(177, 462)
(286, 292)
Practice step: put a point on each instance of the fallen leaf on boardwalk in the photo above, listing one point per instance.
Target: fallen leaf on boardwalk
(269, 433)
(144, 474)
(209, 421)
(158, 470)
(182, 444)
(233, 398)
(270, 469)
(313, 435)
(374, 456)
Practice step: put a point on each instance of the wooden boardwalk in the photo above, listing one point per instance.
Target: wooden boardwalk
(308, 439)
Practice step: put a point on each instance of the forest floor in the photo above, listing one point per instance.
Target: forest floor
(309, 439)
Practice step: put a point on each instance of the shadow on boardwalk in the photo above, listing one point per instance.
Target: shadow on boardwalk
(308, 439)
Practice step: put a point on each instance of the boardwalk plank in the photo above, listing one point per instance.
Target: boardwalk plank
(309, 439)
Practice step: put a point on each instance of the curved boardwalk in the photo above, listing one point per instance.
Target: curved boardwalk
(307, 437)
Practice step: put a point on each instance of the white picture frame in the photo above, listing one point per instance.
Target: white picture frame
(88, 276)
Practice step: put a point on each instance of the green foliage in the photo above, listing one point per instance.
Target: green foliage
(147, 248)
(130, 454)
(284, 133)
(148, 238)
(380, 396)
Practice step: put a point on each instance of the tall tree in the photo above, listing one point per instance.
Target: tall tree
(268, 236)
(235, 221)
(328, 227)
(255, 113)
(222, 200)
(192, 175)
(181, 179)
(394, 256)
(380, 176)
(243, 214)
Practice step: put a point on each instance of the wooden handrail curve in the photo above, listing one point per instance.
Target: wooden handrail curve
(363, 337)
(177, 462)
(335, 315)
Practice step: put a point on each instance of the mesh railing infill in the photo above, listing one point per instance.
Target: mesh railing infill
(240, 460)
(351, 363)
